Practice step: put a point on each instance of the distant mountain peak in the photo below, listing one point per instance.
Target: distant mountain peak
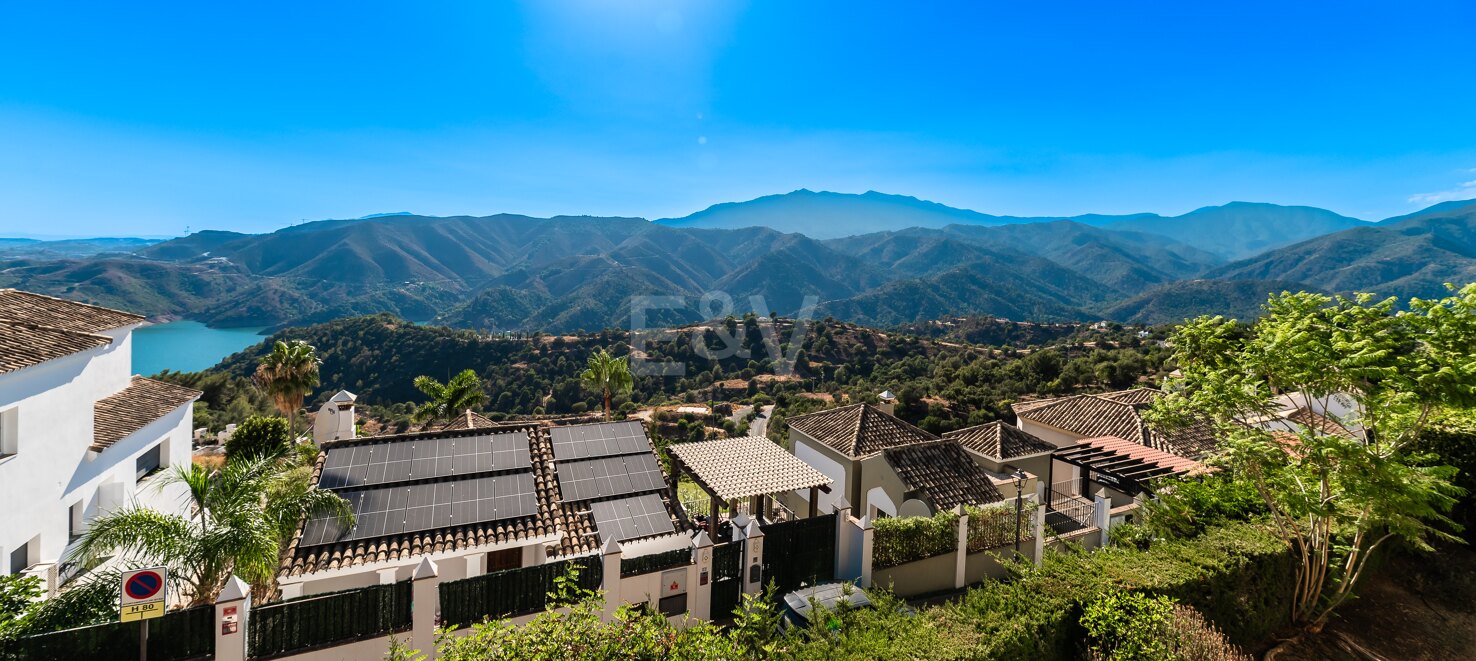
(383, 215)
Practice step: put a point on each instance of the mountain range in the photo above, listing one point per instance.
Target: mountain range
(922, 261)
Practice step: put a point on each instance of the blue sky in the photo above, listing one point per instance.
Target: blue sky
(117, 119)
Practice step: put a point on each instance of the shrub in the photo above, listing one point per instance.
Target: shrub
(259, 436)
(1127, 626)
(1195, 638)
(1188, 507)
(900, 540)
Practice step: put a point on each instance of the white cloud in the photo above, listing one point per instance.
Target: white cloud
(1463, 191)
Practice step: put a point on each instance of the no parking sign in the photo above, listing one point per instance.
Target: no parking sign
(143, 593)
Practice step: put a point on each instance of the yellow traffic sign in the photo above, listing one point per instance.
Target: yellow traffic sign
(143, 611)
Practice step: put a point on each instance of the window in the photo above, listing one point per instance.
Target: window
(148, 462)
(74, 521)
(9, 432)
(20, 558)
(504, 559)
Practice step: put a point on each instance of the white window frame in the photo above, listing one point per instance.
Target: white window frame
(9, 432)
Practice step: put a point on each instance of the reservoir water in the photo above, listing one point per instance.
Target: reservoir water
(187, 346)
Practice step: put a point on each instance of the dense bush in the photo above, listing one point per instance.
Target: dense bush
(1129, 626)
(1187, 507)
(904, 539)
(259, 436)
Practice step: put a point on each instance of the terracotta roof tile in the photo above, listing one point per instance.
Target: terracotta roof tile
(999, 440)
(23, 344)
(469, 420)
(858, 430)
(1319, 423)
(943, 473)
(1119, 414)
(144, 400)
(746, 466)
(60, 313)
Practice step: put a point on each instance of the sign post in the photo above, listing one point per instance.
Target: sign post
(142, 598)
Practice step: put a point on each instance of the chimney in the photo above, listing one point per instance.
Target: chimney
(888, 402)
(335, 421)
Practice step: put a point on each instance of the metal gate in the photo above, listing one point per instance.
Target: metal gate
(727, 579)
(799, 552)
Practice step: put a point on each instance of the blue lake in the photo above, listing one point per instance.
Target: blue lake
(187, 346)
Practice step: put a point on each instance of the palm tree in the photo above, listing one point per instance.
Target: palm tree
(607, 375)
(239, 519)
(288, 374)
(462, 392)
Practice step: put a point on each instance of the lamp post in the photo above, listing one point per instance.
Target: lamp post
(1019, 504)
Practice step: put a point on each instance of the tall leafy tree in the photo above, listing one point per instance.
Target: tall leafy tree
(608, 376)
(461, 392)
(288, 374)
(238, 520)
(1334, 500)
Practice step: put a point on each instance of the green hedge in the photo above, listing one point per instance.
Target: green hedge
(904, 539)
(1237, 575)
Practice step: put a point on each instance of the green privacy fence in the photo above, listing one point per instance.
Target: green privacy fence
(727, 579)
(655, 562)
(294, 626)
(511, 592)
(180, 635)
(800, 552)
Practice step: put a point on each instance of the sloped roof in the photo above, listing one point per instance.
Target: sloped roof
(469, 420)
(1319, 423)
(999, 440)
(858, 430)
(26, 307)
(23, 344)
(1119, 414)
(746, 466)
(943, 473)
(144, 400)
(1128, 459)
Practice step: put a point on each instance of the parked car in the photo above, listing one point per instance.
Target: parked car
(800, 605)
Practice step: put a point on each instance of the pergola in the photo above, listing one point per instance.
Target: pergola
(748, 467)
(1124, 464)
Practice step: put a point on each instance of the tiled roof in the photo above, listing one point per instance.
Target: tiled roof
(999, 440)
(144, 400)
(60, 313)
(1319, 423)
(1119, 414)
(858, 430)
(1124, 457)
(469, 420)
(548, 520)
(24, 344)
(1020, 407)
(746, 466)
(943, 473)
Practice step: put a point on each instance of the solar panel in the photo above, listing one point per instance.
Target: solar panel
(611, 476)
(399, 461)
(410, 508)
(603, 440)
(631, 518)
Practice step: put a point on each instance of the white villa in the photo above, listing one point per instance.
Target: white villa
(80, 435)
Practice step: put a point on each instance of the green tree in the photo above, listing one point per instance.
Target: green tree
(259, 436)
(288, 374)
(1334, 500)
(608, 376)
(461, 392)
(238, 518)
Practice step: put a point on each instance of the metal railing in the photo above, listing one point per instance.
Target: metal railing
(1068, 512)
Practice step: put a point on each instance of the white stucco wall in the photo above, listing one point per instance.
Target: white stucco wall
(804, 448)
(53, 468)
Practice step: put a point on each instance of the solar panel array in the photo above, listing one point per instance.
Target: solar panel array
(611, 476)
(388, 463)
(410, 508)
(631, 518)
(603, 440)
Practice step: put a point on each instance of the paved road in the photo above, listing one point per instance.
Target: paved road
(760, 425)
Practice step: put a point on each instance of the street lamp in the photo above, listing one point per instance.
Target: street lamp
(1019, 504)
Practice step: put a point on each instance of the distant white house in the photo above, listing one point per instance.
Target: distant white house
(80, 435)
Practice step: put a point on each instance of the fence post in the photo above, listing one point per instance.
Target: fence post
(961, 550)
(1040, 517)
(842, 538)
(868, 534)
(1103, 516)
(425, 600)
(753, 551)
(231, 614)
(699, 598)
(610, 576)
